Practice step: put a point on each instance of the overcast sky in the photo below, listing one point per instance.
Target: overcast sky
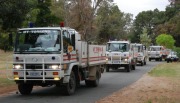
(136, 6)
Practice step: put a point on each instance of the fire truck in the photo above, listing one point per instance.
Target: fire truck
(155, 52)
(120, 54)
(47, 56)
(140, 53)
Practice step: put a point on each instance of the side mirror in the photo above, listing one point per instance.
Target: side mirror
(144, 47)
(10, 39)
(70, 49)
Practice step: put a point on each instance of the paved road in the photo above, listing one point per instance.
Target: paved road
(109, 83)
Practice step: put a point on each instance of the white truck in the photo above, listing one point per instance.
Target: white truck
(155, 52)
(49, 56)
(120, 54)
(141, 55)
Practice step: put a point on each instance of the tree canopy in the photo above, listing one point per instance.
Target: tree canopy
(165, 40)
(96, 20)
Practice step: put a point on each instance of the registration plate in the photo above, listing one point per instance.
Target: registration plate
(34, 74)
(116, 62)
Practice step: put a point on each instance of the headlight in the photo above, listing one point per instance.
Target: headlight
(55, 67)
(125, 60)
(18, 67)
(106, 59)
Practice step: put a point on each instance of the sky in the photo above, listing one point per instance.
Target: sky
(136, 6)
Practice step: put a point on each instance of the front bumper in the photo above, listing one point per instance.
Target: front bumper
(154, 57)
(172, 59)
(140, 59)
(37, 75)
(117, 62)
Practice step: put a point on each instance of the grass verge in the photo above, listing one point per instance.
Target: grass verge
(4, 82)
(170, 72)
(166, 70)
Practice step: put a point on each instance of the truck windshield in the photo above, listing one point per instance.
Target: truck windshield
(155, 48)
(37, 41)
(122, 47)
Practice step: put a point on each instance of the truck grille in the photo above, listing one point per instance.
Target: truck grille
(35, 66)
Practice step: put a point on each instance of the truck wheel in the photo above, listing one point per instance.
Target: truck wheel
(149, 59)
(128, 68)
(70, 87)
(133, 67)
(107, 69)
(93, 83)
(25, 89)
(142, 63)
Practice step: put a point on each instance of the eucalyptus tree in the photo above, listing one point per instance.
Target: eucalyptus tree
(13, 13)
(148, 20)
(80, 14)
(112, 23)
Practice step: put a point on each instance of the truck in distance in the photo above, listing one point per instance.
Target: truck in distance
(119, 54)
(155, 52)
(140, 54)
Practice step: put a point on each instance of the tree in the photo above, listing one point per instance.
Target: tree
(145, 39)
(44, 17)
(172, 21)
(165, 40)
(112, 23)
(148, 20)
(13, 13)
(81, 15)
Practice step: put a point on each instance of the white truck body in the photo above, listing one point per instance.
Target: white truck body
(140, 54)
(119, 54)
(65, 63)
(155, 52)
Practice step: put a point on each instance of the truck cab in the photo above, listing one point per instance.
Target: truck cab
(140, 53)
(155, 52)
(119, 54)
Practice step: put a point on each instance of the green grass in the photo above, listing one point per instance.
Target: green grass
(166, 70)
(4, 82)
(3, 59)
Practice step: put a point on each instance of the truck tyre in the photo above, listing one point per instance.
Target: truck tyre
(93, 83)
(133, 67)
(25, 89)
(128, 68)
(149, 59)
(107, 69)
(142, 63)
(70, 87)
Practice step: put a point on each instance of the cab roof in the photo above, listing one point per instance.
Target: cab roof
(34, 28)
(118, 42)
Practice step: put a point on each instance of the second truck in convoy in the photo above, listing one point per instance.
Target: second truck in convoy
(120, 54)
